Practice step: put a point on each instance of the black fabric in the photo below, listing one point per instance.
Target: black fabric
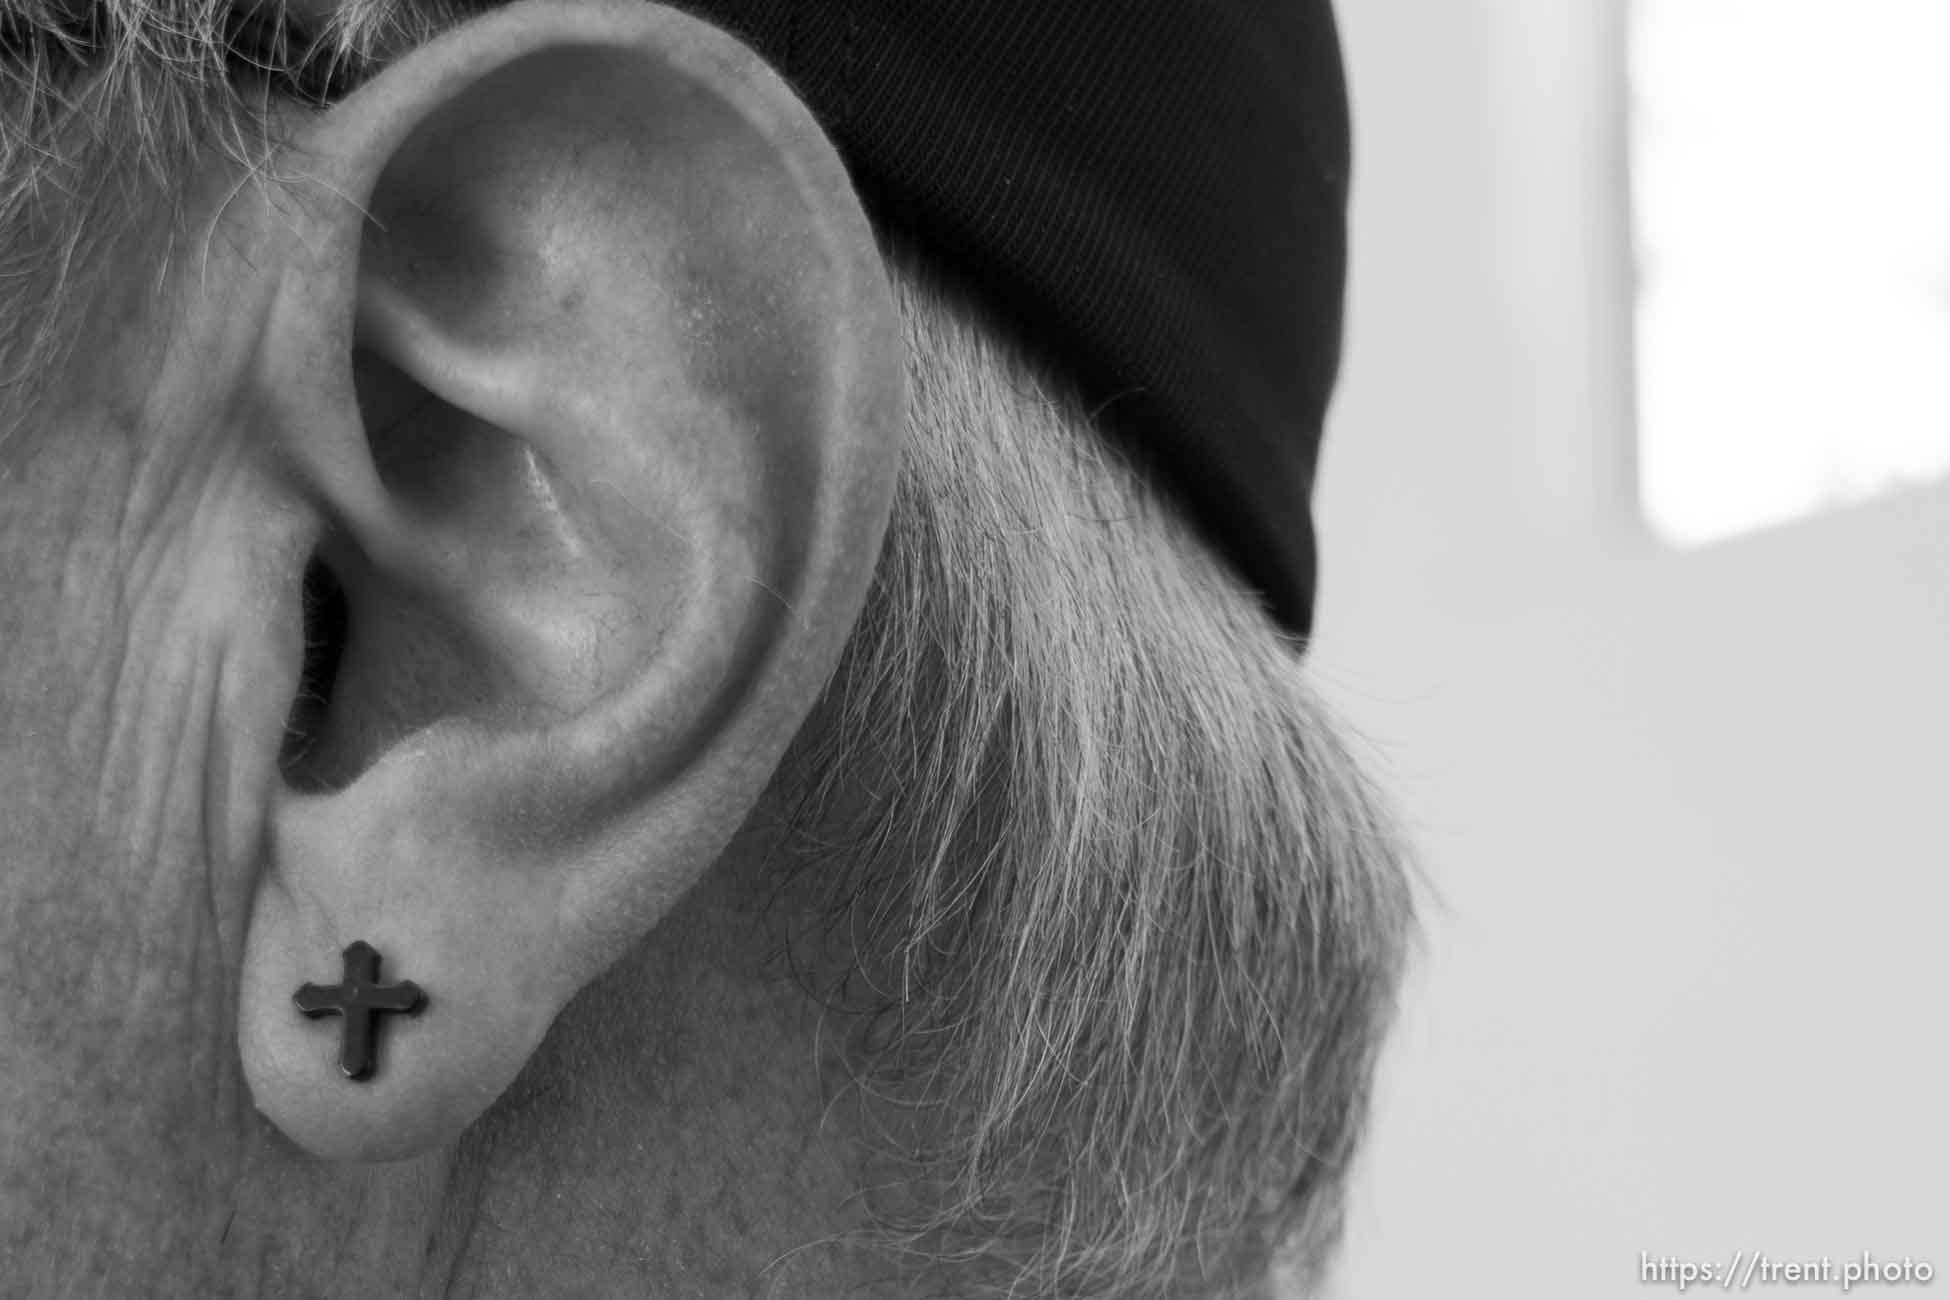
(1152, 192)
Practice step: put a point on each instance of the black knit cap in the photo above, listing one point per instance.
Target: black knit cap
(1153, 193)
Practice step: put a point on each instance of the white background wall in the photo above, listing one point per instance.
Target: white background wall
(1686, 816)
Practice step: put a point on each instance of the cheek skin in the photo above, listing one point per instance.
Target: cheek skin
(150, 567)
(189, 607)
(138, 749)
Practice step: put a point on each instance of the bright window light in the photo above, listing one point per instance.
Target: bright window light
(1791, 195)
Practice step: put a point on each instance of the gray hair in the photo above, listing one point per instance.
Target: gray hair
(1122, 915)
(1130, 916)
(104, 103)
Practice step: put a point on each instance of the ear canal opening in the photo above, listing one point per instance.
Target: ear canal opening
(327, 624)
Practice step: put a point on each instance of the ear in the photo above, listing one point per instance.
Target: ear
(586, 359)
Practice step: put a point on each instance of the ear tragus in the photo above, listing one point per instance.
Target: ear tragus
(589, 366)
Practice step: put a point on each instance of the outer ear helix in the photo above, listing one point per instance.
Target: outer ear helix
(540, 737)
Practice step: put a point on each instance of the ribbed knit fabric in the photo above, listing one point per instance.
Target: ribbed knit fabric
(1152, 193)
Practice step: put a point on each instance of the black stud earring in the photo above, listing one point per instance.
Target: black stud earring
(361, 999)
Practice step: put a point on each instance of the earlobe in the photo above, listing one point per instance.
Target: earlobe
(586, 360)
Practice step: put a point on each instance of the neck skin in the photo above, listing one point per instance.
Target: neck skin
(669, 1140)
